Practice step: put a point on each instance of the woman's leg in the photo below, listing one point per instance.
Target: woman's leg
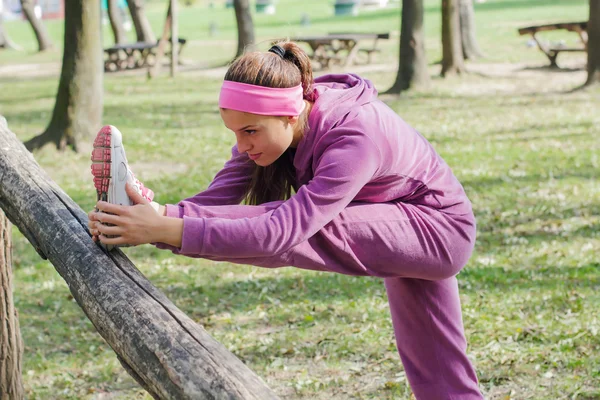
(371, 239)
(430, 338)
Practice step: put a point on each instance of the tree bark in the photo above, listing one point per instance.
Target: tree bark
(470, 46)
(116, 22)
(142, 26)
(162, 44)
(593, 29)
(170, 355)
(78, 108)
(11, 343)
(173, 6)
(244, 24)
(41, 34)
(453, 61)
(5, 42)
(412, 67)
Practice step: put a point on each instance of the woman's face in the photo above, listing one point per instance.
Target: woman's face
(264, 138)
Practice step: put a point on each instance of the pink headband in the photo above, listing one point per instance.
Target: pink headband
(281, 102)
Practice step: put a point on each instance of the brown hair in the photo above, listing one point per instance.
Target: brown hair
(275, 181)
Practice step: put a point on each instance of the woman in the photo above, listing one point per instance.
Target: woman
(333, 181)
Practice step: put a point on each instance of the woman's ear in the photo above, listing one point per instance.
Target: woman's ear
(293, 120)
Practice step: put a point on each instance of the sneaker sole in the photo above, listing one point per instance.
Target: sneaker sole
(101, 162)
(101, 168)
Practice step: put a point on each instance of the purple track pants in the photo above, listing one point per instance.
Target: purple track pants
(418, 251)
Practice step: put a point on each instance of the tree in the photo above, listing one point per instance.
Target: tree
(470, 46)
(115, 21)
(11, 343)
(168, 354)
(78, 108)
(412, 69)
(143, 30)
(44, 42)
(5, 42)
(244, 24)
(453, 61)
(593, 29)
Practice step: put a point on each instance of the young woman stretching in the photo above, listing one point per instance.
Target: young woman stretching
(333, 180)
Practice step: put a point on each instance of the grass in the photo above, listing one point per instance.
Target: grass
(525, 148)
(496, 20)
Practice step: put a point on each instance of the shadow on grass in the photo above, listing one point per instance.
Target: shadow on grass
(548, 68)
(321, 289)
(28, 97)
(524, 134)
(138, 116)
(548, 278)
(586, 125)
(588, 172)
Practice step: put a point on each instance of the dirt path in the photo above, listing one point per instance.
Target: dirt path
(508, 76)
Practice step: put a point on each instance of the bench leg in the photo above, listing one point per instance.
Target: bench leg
(552, 57)
(352, 50)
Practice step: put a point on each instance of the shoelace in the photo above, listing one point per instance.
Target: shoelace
(146, 193)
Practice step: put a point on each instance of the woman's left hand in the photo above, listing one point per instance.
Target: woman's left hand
(133, 225)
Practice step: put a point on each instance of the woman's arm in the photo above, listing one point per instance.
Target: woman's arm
(347, 159)
(228, 187)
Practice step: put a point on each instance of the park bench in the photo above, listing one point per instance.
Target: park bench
(551, 51)
(340, 48)
(133, 55)
(370, 49)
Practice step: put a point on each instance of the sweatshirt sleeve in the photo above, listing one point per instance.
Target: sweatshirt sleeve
(345, 159)
(227, 188)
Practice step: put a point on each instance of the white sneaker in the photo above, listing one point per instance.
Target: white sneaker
(111, 171)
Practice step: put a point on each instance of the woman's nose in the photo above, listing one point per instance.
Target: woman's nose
(243, 144)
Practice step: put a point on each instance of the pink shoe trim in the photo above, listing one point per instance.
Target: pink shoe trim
(101, 161)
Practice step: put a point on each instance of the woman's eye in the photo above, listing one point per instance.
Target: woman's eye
(250, 132)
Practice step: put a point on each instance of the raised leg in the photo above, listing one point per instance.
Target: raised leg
(374, 239)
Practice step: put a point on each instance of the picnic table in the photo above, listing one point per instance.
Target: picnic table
(551, 51)
(341, 48)
(133, 55)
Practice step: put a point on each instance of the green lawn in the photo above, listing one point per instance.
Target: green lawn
(497, 22)
(525, 148)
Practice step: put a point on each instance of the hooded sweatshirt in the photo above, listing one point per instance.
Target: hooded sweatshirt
(356, 149)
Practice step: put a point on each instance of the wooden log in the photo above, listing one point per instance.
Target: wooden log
(170, 355)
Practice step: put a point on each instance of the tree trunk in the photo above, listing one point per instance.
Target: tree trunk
(116, 22)
(174, 36)
(453, 61)
(38, 26)
(162, 44)
(143, 29)
(11, 343)
(170, 355)
(78, 108)
(593, 29)
(5, 42)
(244, 24)
(412, 69)
(470, 46)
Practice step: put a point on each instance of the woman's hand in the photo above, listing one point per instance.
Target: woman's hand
(133, 225)
(92, 225)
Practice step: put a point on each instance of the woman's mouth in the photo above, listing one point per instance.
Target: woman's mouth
(254, 157)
